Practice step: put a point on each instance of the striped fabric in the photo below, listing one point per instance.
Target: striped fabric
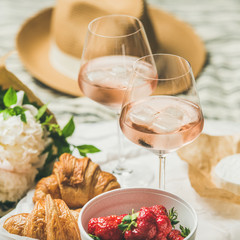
(217, 22)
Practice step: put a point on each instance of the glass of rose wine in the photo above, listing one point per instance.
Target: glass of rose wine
(113, 43)
(167, 115)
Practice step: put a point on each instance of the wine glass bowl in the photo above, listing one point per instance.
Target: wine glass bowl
(169, 116)
(113, 43)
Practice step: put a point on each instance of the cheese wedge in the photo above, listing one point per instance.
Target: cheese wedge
(226, 173)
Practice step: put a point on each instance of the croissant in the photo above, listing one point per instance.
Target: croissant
(75, 181)
(49, 220)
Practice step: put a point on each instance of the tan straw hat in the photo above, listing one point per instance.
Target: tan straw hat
(50, 43)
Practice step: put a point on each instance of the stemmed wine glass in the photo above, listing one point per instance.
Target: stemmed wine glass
(167, 115)
(113, 43)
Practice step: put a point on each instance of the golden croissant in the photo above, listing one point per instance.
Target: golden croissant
(75, 181)
(49, 220)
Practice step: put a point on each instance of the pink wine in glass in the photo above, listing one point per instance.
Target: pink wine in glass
(105, 79)
(162, 123)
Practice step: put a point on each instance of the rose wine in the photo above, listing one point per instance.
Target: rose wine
(105, 79)
(161, 122)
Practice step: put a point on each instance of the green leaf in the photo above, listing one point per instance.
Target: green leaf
(61, 144)
(48, 119)
(10, 97)
(2, 93)
(23, 117)
(54, 127)
(128, 222)
(5, 114)
(127, 218)
(69, 128)
(134, 216)
(46, 170)
(184, 231)
(64, 149)
(25, 99)
(41, 111)
(18, 110)
(84, 149)
(173, 215)
(8, 112)
(94, 237)
(123, 226)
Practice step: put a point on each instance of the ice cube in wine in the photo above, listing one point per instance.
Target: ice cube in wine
(163, 123)
(105, 79)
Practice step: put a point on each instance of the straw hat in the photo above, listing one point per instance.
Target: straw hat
(50, 43)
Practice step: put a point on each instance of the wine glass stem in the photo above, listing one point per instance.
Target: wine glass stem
(120, 169)
(162, 159)
(120, 146)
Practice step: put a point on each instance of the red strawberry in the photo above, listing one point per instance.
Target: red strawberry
(139, 226)
(164, 227)
(175, 235)
(178, 235)
(92, 225)
(146, 215)
(106, 228)
(159, 210)
(160, 237)
(144, 231)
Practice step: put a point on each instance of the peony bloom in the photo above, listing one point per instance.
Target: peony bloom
(21, 147)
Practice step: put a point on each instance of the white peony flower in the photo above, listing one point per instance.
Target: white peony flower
(15, 185)
(21, 147)
(21, 143)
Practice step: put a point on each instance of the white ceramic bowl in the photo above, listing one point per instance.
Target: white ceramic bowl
(123, 200)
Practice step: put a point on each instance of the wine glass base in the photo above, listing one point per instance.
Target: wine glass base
(119, 170)
(135, 175)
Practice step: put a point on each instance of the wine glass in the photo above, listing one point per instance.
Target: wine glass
(113, 43)
(168, 115)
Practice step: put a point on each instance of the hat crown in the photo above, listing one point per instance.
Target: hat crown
(71, 18)
(36, 42)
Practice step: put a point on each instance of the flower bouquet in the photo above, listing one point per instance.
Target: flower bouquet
(30, 140)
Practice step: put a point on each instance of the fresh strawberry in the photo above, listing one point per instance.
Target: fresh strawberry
(150, 223)
(92, 225)
(164, 227)
(178, 235)
(175, 235)
(159, 210)
(145, 214)
(105, 228)
(160, 237)
(144, 231)
(139, 226)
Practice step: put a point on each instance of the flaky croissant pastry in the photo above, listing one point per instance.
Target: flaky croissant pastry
(49, 220)
(75, 181)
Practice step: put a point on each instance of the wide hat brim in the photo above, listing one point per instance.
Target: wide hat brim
(33, 44)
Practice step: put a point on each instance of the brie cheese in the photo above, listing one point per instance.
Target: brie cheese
(226, 173)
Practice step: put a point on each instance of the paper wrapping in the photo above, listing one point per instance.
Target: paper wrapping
(202, 156)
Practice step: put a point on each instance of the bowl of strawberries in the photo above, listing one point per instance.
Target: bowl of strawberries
(137, 214)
